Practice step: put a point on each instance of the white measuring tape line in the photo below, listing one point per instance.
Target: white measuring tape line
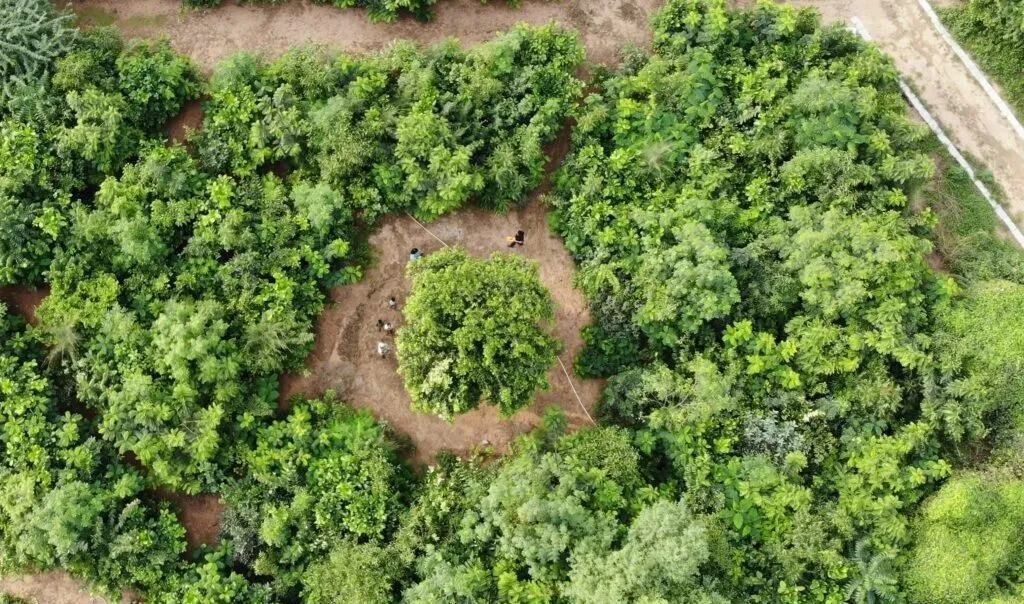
(859, 29)
(976, 72)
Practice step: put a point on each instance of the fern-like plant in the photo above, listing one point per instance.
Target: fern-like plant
(32, 36)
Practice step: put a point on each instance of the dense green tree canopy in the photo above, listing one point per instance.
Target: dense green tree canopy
(474, 332)
(789, 381)
(34, 35)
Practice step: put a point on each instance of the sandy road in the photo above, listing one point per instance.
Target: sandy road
(967, 115)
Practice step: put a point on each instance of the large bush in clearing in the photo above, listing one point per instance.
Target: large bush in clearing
(474, 333)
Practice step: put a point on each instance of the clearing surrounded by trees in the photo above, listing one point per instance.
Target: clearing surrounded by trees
(456, 301)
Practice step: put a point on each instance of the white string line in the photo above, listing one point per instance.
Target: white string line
(979, 75)
(426, 229)
(861, 30)
(578, 399)
(564, 370)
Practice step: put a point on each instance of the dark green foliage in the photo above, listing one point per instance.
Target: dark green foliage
(411, 129)
(474, 332)
(99, 111)
(519, 539)
(743, 191)
(205, 314)
(32, 36)
(211, 581)
(65, 498)
(312, 482)
(789, 375)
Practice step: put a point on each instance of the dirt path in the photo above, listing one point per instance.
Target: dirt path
(967, 115)
(53, 587)
(212, 34)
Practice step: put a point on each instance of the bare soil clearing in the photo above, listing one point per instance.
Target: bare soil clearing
(53, 587)
(209, 35)
(22, 300)
(344, 358)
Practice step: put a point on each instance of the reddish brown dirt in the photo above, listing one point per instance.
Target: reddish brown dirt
(210, 35)
(190, 118)
(22, 300)
(199, 513)
(344, 358)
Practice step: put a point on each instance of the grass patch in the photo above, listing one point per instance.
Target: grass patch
(94, 16)
(999, 59)
(969, 236)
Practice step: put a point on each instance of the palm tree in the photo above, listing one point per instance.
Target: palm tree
(874, 579)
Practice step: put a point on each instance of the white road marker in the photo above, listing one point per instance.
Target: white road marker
(972, 67)
(861, 30)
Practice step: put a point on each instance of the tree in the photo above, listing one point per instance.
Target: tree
(474, 332)
(34, 35)
(980, 358)
(659, 561)
(323, 477)
(875, 579)
(353, 573)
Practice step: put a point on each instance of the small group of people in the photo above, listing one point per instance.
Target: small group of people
(383, 348)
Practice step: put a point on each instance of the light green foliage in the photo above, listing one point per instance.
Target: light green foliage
(980, 353)
(740, 196)
(211, 581)
(967, 542)
(353, 573)
(96, 114)
(474, 332)
(32, 36)
(323, 475)
(659, 561)
(993, 32)
(65, 498)
(184, 281)
(683, 280)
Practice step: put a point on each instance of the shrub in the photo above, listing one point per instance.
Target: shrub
(474, 332)
(967, 541)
